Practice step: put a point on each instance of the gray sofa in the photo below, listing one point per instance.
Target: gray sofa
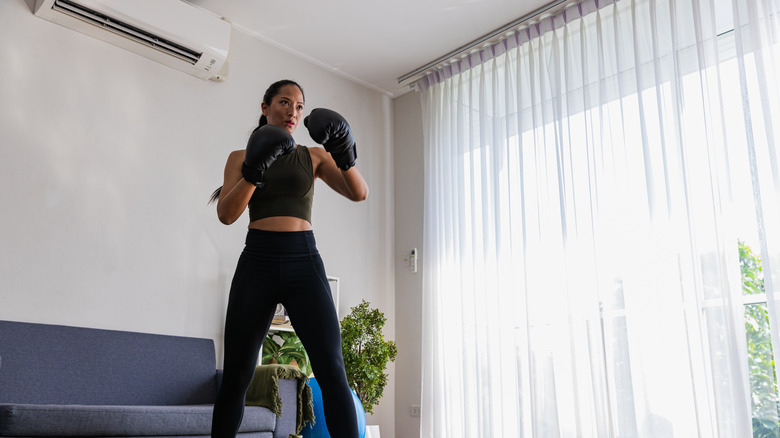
(69, 381)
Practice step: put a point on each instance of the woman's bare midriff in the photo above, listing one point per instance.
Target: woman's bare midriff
(281, 223)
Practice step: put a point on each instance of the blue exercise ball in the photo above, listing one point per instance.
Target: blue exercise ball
(319, 429)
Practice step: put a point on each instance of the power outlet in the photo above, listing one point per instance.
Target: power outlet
(414, 410)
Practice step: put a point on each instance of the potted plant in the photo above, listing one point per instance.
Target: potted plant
(285, 348)
(366, 353)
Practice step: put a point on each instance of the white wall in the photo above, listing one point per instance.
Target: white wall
(107, 160)
(408, 156)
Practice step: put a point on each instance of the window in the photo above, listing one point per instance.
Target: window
(763, 376)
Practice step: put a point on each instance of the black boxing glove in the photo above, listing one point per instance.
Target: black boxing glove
(265, 145)
(331, 130)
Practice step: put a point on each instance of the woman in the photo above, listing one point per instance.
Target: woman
(274, 177)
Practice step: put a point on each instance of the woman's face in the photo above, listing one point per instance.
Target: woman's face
(286, 108)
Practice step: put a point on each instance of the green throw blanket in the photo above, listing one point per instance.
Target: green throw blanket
(264, 391)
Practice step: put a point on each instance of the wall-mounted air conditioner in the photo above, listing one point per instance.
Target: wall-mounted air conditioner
(170, 32)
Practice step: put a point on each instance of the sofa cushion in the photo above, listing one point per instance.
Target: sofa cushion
(81, 420)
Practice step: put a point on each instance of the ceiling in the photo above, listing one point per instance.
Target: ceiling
(370, 42)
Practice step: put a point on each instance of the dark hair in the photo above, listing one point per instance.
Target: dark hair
(269, 95)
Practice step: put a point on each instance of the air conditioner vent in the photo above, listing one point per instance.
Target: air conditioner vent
(171, 32)
(123, 29)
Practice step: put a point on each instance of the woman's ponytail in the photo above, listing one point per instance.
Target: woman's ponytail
(263, 121)
(215, 195)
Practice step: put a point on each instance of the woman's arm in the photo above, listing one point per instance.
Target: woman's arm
(349, 183)
(236, 191)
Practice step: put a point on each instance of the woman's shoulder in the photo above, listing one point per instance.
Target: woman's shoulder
(317, 152)
(236, 156)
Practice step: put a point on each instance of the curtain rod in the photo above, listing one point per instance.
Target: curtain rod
(481, 40)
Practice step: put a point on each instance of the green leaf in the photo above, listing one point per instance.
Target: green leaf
(290, 348)
(366, 353)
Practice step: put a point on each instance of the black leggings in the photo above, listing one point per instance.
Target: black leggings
(282, 267)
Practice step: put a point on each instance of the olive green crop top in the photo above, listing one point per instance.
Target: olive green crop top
(288, 190)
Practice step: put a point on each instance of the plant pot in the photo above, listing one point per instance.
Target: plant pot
(320, 429)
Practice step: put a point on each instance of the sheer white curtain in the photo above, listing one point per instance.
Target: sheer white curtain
(586, 183)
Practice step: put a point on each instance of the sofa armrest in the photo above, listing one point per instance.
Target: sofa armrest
(285, 425)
